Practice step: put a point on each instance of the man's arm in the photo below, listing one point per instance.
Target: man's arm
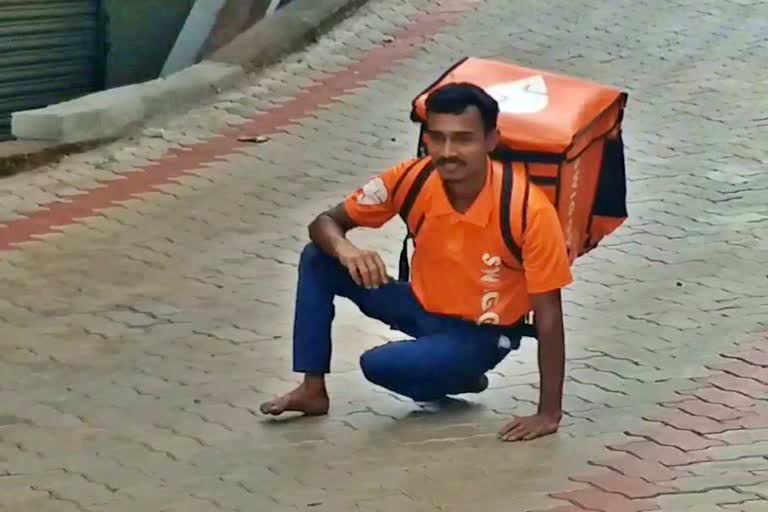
(370, 206)
(548, 314)
(328, 231)
(547, 272)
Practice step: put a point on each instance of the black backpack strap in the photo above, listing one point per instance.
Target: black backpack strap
(507, 189)
(526, 193)
(404, 176)
(405, 212)
(413, 192)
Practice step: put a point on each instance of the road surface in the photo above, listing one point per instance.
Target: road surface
(147, 293)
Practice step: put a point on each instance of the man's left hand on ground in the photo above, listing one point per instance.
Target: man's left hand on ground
(529, 427)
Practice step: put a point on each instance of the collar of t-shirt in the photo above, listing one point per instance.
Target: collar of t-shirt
(479, 213)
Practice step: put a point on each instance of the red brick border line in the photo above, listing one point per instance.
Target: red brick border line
(718, 423)
(177, 163)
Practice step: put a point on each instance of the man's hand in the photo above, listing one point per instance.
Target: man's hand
(366, 267)
(530, 427)
(328, 232)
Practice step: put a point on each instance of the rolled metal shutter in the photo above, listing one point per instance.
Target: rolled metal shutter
(50, 51)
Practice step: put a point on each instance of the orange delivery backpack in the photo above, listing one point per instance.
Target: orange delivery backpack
(564, 132)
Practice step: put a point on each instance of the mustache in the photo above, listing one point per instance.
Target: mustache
(443, 161)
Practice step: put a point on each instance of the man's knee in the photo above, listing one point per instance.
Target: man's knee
(310, 255)
(314, 261)
(386, 368)
(379, 367)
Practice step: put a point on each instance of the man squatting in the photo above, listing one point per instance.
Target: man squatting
(460, 329)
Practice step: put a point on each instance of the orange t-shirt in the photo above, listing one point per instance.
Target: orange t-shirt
(461, 266)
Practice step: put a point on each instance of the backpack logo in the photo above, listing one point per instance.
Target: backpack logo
(526, 96)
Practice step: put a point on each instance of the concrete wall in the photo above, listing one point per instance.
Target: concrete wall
(112, 113)
(295, 25)
(140, 35)
(234, 18)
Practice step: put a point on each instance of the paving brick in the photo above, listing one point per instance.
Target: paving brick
(761, 489)
(667, 455)
(744, 386)
(682, 439)
(739, 477)
(697, 424)
(753, 421)
(75, 489)
(596, 499)
(631, 487)
(715, 411)
(565, 508)
(743, 369)
(718, 396)
(19, 497)
(758, 449)
(720, 467)
(716, 497)
(754, 357)
(748, 506)
(634, 467)
(742, 436)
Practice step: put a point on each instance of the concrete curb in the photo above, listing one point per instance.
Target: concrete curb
(109, 114)
(20, 156)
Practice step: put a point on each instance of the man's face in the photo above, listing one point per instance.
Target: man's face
(458, 144)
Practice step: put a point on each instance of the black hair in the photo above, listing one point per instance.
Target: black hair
(455, 98)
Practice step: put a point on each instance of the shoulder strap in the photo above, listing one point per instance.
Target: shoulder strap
(513, 192)
(405, 175)
(405, 212)
(414, 190)
(526, 194)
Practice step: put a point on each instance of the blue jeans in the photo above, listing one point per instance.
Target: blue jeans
(447, 357)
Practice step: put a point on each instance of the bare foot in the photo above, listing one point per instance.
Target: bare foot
(310, 400)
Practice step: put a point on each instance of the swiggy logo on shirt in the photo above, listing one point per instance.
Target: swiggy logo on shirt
(373, 193)
(490, 279)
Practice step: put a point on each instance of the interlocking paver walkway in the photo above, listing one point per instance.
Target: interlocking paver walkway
(147, 287)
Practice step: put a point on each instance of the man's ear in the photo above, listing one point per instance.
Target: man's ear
(492, 140)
